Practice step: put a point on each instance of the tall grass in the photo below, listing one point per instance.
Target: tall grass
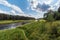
(39, 30)
(14, 34)
(10, 21)
(42, 30)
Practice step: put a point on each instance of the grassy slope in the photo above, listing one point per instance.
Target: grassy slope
(42, 30)
(33, 31)
(14, 34)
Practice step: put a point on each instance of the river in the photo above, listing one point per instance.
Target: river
(12, 25)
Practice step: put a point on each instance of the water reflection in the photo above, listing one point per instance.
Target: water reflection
(9, 26)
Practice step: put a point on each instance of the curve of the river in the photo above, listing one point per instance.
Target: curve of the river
(13, 25)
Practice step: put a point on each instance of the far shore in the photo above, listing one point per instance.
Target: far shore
(9, 21)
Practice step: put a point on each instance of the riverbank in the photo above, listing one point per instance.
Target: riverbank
(9, 21)
(13, 25)
(10, 24)
(38, 30)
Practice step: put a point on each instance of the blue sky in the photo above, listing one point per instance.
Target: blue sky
(30, 8)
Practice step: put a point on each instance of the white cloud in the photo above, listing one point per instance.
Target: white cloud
(14, 8)
(1, 11)
(54, 4)
(12, 12)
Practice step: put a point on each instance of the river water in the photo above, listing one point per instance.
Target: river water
(10, 26)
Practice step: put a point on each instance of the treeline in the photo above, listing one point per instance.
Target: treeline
(52, 15)
(13, 17)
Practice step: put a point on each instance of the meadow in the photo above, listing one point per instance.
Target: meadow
(10, 21)
(37, 30)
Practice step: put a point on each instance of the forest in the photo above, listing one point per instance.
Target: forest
(52, 15)
(13, 17)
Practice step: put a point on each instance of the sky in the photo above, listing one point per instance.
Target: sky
(29, 8)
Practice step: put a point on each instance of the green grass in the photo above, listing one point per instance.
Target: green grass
(42, 30)
(14, 21)
(38, 30)
(10, 21)
(14, 34)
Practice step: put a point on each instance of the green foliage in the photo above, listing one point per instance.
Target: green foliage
(14, 34)
(6, 16)
(59, 9)
(52, 15)
(10, 21)
(42, 30)
(33, 31)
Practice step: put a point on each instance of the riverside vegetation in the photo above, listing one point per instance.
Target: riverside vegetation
(10, 21)
(47, 29)
(33, 31)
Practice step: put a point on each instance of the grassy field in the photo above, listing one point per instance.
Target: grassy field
(14, 21)
(38, 30)
(10, 21)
